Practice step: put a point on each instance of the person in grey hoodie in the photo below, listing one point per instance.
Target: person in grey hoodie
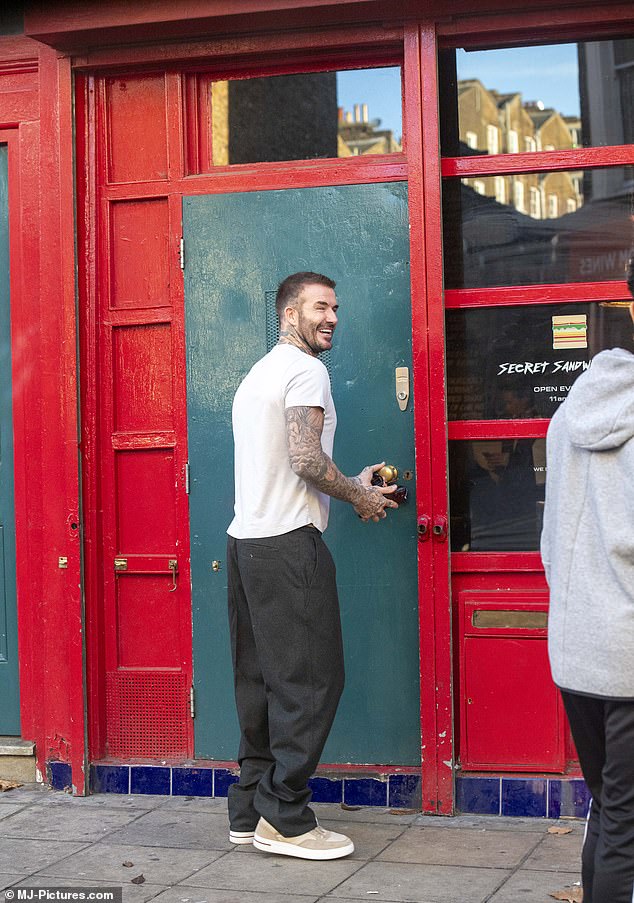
(587, 547)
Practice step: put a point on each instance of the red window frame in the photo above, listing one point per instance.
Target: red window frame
(561, 293)
(198, 121)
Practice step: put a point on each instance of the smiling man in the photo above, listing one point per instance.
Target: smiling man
(283, 606)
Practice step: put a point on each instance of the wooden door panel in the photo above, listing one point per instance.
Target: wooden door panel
(140, 419)
(139, 253)
(237, 249)
(136, 127)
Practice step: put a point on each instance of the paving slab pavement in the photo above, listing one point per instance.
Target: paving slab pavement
(176, 850)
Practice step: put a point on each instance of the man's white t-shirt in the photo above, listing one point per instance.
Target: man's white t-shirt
(271, 499)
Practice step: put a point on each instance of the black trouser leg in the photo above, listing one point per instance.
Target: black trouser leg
(254, 754)
(603, 731)
(287, 585)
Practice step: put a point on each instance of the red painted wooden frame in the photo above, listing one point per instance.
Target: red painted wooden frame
(540, 161)
(197, 90)
(36, 122)
(269, 176)
(424, 179)
(99, 480)
(431, 440)
(508, 296)
(507, 27)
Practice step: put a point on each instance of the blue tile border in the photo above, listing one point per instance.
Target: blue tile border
(568, 798)
(524, 797)
(365, 792)
(223, 779)
(528, 797)
(404, 791)
(152, 779)
(326, 790)
(110, 778)
(476, 794)
(60, 775)
(192, 782)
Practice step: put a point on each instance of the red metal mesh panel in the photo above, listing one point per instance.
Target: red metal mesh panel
(146, 715)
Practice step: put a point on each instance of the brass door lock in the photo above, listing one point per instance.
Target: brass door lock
(386, 476)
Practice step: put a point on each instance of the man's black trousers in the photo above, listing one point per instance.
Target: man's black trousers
(288, 670)
(603, 731)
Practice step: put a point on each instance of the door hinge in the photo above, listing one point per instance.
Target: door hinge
(187, 485)
(192, 702)
(182, 253)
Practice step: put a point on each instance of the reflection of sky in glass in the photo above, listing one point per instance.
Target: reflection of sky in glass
(549, 73)
(380, 89)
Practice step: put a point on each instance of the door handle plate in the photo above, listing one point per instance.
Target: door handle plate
(402, 386)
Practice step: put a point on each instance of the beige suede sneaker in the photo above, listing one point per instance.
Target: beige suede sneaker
(316, 844)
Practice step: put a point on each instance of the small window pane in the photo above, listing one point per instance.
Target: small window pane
(510, 363)
(302, 117)
(554, 227)
(497, 489)
(550, 97)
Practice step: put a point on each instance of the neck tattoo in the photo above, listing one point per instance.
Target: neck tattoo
(289, 336)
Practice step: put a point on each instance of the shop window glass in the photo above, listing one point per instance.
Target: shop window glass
(496, 494)
(306, 116)
(510, 363)
(533, 239)
(550, 97)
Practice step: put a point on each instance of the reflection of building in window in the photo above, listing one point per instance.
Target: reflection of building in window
(505, 123)
(574, 127)
(290, 117)
(518, 195)
(358, 134)
(535, 203)
(477, 110)
(492, 139)
(551, 128)
(282, 117)
(560, 190)
(553, 208)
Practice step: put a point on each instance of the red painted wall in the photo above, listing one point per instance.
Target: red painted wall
(35, 108)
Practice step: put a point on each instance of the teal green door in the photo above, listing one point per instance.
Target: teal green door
(238, 248)
(9, 692)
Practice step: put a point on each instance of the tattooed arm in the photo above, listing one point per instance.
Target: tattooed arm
(308, 460)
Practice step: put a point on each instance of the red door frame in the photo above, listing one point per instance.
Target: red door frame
(423, 173)
(37, 123)
(370, 46)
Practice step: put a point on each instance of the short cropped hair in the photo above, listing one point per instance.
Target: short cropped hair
(630, 274)
(291, 288)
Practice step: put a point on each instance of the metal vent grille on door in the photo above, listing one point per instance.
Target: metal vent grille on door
(146, 715)
(273, 330)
